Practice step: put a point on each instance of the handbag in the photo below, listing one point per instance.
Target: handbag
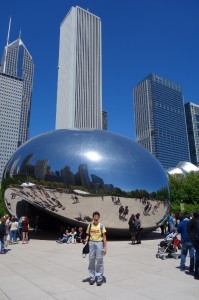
(85, 250)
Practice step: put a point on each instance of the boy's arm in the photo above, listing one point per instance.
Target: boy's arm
(105, 243)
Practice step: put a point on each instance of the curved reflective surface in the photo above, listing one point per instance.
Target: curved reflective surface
(71, 173)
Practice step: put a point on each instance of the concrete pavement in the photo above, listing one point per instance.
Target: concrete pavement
(46, 270)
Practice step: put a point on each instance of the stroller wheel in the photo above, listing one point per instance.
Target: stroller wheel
(157, 255)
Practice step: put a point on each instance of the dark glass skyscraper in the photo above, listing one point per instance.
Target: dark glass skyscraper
(160, 120)
(192, 119)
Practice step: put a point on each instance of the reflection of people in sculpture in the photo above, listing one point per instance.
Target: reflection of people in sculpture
(126, 211)
(121, 210)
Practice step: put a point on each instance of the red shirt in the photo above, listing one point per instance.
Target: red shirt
(25, 225)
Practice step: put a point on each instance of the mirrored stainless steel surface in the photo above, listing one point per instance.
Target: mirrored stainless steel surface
(71, 173)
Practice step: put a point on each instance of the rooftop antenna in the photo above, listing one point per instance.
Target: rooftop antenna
(20, 34)
(6, 50)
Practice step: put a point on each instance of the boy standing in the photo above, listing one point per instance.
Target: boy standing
(96, 235)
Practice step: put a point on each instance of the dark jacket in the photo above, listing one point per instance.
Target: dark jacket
(2, 230)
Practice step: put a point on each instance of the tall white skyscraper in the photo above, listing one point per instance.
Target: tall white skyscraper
(11, 89)
(18, 62)
(79, 93)
(16, 81)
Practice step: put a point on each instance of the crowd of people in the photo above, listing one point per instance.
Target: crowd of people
(188, 227)
(13, 230)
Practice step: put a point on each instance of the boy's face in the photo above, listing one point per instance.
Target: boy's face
(96, 218)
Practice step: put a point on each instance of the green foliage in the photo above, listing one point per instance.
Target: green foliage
(185, 189)
(3, 209)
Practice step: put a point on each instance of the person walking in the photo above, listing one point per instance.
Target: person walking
(186, 244)
(96, 235)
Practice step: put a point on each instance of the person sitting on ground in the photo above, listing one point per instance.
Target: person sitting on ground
(72, 235)
(80, 236)
(65, 237)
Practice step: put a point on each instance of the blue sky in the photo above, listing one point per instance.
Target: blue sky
(138, 37)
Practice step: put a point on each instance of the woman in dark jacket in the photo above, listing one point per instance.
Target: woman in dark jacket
(2, 235)
(132, 228)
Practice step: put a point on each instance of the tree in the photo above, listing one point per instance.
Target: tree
(3, 209)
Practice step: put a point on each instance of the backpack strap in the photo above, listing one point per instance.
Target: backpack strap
(101, 228)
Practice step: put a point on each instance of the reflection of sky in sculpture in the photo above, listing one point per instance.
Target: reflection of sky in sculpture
(115, 159)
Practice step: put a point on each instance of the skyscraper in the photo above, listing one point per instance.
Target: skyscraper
(160, 120)
(192, 119)
(10, 113)
(18, 62)
(79, 92)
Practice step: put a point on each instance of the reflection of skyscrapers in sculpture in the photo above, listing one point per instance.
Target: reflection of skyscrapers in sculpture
(160, 120)
(67, 176)
(104, 120)
(84, 175)
(10, 113)
(79, 94)
(41, 169)
(18, 62)
(26, 168)
(192, 118)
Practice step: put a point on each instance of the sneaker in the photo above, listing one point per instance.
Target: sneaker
(91, 281)
(196, 277)
(182, 269)
(99, 283)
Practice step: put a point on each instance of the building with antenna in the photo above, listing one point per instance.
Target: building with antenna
(16, 81)
(18, 62)
(79, 91)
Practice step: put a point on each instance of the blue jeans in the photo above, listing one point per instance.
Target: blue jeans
(13, 235)
(64, 239)
(196, 247)
(96, 268)
(185, 247)
(2, 241)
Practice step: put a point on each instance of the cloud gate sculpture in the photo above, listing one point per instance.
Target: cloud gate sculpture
(71, 173)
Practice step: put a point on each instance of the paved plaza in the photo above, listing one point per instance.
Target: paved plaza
(46, 270)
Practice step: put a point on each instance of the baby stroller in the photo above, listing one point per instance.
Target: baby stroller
(168, 248)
